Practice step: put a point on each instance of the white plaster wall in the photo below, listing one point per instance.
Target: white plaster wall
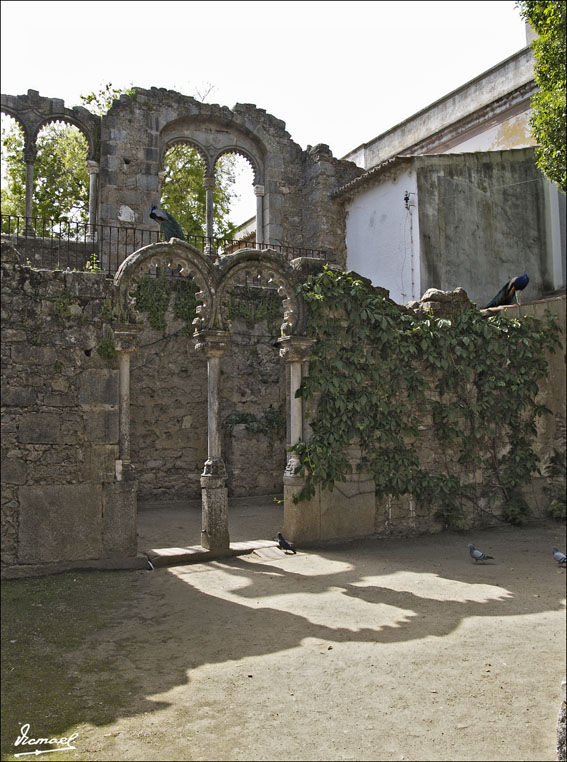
(511, 133)
(382, 235)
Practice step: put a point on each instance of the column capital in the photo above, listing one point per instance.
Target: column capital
(209, 182)
(30, 154)
(213, 343)
(295, 348)
(92, 166)
(127, 336)
(259, 190)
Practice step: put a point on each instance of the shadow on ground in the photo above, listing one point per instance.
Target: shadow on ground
(89, 648)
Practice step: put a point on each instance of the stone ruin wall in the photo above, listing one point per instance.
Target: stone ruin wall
(60, 406)
(169, 414)
(297, 210)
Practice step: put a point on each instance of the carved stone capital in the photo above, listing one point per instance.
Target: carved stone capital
(295, 348)
(30, 154)
(213, 343)
(127, 336)
(259, 190)
(209, 182)
(92, 166)
(214, 473)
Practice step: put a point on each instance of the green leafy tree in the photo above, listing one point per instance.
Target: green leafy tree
(61, 179)
(548, 20)
(183, 193)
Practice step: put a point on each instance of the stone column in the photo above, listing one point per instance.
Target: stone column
(30, 153)
(259, 191)
(209, 183)
(294, 350)
(126, 336)
(93, 168)
(214, 532)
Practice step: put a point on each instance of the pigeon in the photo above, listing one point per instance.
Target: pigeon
(168, 224)
(560, 557)
(478, 555)
(284, 544)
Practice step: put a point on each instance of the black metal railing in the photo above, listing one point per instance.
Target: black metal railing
(55, 244)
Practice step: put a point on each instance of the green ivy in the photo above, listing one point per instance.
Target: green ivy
(255, 304)
(153, 296)
(107, 349)
(185, 305)
(271, 423)
(382, 375)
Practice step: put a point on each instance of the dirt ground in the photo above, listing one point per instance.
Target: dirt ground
(398, 649)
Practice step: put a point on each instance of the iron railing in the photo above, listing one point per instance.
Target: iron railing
(54, 244)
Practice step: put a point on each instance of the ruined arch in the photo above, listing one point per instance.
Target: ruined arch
(266, 269)
(257, 170)
(173, 255)
(193, 144)
(64, 119)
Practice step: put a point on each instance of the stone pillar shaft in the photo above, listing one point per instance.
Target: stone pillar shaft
(213, 376)
(93, 171)
(259, 191)
(126, 338)
(214, 532)
(124, 423)
(28, 227)
(209, 183)
(294, 350)
(296, 412)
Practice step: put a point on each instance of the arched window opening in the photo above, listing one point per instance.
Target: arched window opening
(13, 190)
(242, 211)
(61, 178)
(184, 195)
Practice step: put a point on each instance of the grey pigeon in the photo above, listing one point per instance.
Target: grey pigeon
(284, 544)
(560, 557)
(478, 555)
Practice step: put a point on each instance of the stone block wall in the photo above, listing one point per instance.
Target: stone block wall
(169, 413)
(61, 505)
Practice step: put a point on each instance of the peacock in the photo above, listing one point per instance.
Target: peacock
(168, 224)
(508, 292)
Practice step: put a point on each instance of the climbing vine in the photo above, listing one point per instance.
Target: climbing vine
(154, 294)
(271, 422)
(394, 380)
(255, 304)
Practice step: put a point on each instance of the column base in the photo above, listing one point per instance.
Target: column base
(214, 501)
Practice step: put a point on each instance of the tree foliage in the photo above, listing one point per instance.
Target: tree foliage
(548, 20)
(61, 179)
(183, 193)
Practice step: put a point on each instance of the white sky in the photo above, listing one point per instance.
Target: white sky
(335, 72)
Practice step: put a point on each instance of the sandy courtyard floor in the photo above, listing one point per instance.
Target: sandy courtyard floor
(399, 649)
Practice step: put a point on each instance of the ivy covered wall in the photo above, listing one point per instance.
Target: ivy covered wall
(436, 408)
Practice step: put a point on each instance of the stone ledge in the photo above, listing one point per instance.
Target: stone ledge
(195, 554)
(23, 571)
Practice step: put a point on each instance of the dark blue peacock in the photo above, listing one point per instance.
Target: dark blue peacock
(168, 224)
(508, 293)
